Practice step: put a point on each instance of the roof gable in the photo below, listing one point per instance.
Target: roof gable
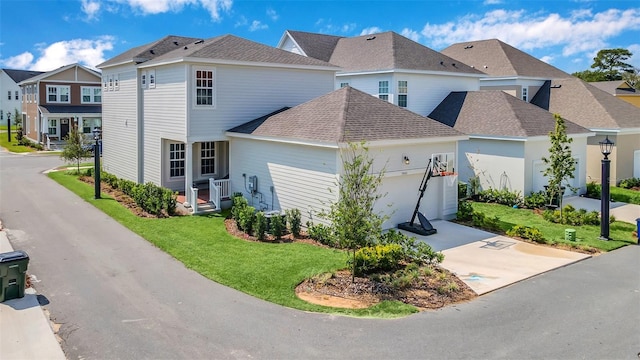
(21, 75)
(61, 74)
(346, 115)
(230, 48)
(318, 46)
(496, 113)
(497, 58)
(616, 87)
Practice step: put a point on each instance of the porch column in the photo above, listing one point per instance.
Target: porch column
(188, 172)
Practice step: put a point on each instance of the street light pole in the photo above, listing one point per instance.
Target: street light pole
(605, 147)
(96, 166)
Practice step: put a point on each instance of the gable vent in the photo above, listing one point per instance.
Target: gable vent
(175, 43)
(371, 38)
(468, 46)
(199, 42)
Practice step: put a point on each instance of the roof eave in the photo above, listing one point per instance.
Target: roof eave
(410, 71)
(323, 144)
(241, 63)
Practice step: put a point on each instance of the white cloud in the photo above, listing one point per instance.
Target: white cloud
(492, 2)
(91, 9)
(370, 30)
(242, 21)
(325, 26)
(257, 25)
(86, 52)
(581, 32)
(214, 7)
(272, 14)
(635, 59)
(548, 59)
(411, 34)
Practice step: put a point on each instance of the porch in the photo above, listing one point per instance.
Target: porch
(213, 197)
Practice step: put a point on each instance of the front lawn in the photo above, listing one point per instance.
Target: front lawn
(586, 235)
(13, 145)
(267, 271)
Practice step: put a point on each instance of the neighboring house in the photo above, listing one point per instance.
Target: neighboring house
(513, 71)
(389, 66)
(169, 103)
(55, 101)
(293, 156)
(620, 89)
(508, 138)
(10, 91)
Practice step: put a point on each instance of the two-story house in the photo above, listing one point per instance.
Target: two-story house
(55, 101)
(168, 104)
(10, 91)
(535, 81)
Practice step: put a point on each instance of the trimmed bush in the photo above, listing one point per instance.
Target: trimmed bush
(536, 200)
(465, 210)
(277, 226)
(378, 258)
(503, 197)
(322, 234)
(526, 232)
(629, 183)
(413, 251)
(294, 219)
(480, 220)
(260, 225)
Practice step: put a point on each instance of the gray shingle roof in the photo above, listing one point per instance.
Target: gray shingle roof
(150, 51)
(71, 109)
(617, 87)
(233, 48)
(589, 106)
(389, 50)
(21, 75)
(318, 46)
(497, 58)
(346, 115)
(496, 113)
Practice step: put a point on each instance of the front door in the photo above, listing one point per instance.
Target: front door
(64, 128)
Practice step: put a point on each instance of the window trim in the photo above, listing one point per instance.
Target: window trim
(92, 95)
(525, 93)
(143, 79)
(404, 93)
(116, 82)
(53, 126)
(152, 79)
(214, 157)
(182, 150)
(382, 94)
(195, 87)
(343, 84)
(58, 94)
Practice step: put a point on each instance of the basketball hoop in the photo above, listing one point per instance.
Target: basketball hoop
(451, 179)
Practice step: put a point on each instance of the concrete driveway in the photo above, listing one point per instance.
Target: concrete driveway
(487, 261)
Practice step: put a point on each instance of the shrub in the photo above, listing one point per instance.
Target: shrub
(503, 197)
(463, 190)
(260, 225)
(378, 258)
(480, 220)
(569, 216)
(247, 218)
(413, 250)
(526, 232)
(536, 200)
(238, 205)
(294, 218)
(321, 233)
(593, 190)
(465, 210)
(629, 183)
(277, 226)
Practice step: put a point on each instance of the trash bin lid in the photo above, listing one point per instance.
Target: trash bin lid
(13, 256)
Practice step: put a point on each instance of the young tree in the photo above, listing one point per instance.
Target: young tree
(75, 148)
(560, 163)
(352, 216)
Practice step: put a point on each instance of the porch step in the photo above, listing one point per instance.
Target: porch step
(205, 208)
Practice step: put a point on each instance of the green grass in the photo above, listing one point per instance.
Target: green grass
(267, 271)
(13, 145)
(625, 195)
(587, 235)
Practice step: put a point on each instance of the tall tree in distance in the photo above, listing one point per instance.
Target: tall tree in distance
(609, 65)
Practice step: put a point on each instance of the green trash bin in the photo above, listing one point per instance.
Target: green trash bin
(13, 274)
(570, 235)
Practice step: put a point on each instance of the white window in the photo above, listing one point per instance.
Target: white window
(203, 87)
(152, 79)
(207, 158)
(9, 95)
(402, 93)
(58, 94)
(143, 80)
(16, 97)
(525, 94)
(88, 124)
(110, 82)
(344, 84)
(91, 95)
(116, 81)
(176, 159)
(53, 126)
(383, 90)
(105, 85)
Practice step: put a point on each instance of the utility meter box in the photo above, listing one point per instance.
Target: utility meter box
(13, 274)
(253, 184)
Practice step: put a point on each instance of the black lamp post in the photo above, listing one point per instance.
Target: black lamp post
(96, 166)
(605, 147)
(9, 125)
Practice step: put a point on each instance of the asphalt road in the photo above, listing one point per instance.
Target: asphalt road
(118, 297)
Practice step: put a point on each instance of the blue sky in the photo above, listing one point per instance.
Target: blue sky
(46, 34)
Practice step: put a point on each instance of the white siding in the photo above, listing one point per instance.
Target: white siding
(535, 150)
(120, 125)
(499, 164)
(244, 93)
(290, 46)
(425, 91)
(301, 176)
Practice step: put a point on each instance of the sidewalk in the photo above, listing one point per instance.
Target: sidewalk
(25, 331)
(622, 211)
